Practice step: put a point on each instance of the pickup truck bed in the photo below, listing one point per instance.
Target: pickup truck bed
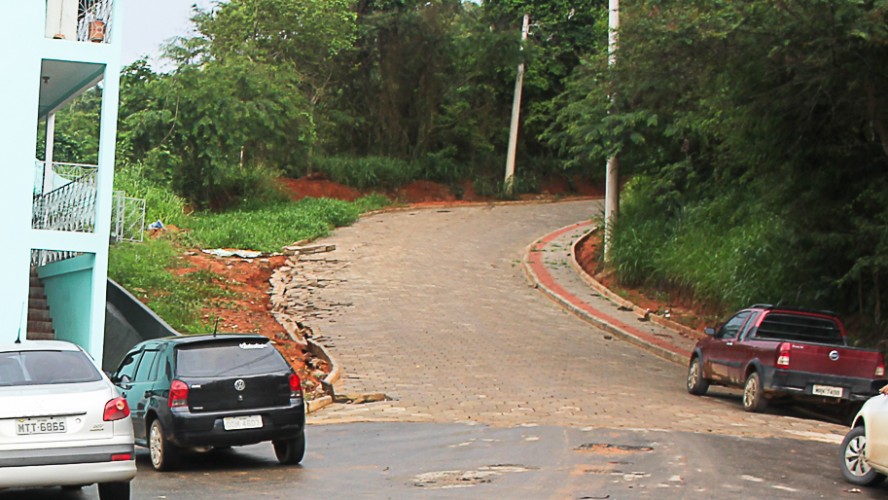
(781, 352)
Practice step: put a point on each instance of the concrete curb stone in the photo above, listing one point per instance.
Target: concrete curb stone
(537, 273)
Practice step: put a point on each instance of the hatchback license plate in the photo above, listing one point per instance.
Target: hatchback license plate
(827, 390)
(238, 423)
(51, 425)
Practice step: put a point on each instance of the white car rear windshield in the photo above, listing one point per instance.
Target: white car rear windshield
(228, 359)
(46, 368)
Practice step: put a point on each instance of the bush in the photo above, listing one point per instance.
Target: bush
(371, 172)
(272, 227)
(160, 202)
(726, 256)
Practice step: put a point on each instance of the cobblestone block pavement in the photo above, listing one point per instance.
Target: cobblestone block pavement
(443, 320)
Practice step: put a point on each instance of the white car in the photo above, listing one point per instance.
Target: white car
(864, 454)
(62, 422)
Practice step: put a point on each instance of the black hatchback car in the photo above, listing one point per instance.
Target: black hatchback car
(212, 391)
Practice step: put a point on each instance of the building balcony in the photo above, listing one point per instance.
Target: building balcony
(79, 20)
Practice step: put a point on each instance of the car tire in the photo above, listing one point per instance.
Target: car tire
(697, 385)
(164, 455)
(855, 470)
(753, 393)
(290, 451)
(114, 491)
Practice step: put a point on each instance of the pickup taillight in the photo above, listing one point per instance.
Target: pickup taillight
(880, 370)
(783, 354)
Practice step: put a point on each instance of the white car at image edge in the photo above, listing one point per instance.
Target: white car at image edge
(62, 422)
(863, 457)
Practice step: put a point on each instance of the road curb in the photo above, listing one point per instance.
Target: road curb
(540, 278)
(613, 297)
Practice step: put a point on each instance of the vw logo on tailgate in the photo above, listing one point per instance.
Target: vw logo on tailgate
(240, 385)
(833, 355)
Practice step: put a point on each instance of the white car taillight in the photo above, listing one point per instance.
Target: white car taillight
(116, 409)
(880, 370)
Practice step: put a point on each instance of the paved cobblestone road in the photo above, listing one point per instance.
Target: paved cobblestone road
(443, 320)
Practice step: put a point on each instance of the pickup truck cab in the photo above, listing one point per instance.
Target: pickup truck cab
(780, 352)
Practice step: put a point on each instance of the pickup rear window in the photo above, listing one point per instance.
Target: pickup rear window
(222, 359)
(801, 328)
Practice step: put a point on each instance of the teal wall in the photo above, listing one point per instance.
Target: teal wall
(21, 38)
(75, 289)
(68, 285)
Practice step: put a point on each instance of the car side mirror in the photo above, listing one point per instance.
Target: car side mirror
(123, 381)
(709, 331)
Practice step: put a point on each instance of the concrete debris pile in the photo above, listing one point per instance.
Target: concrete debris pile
(296, 286)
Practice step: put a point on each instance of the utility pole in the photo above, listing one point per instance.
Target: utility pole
(516, 111)
(611, 183)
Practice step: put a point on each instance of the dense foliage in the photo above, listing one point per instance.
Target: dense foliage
(756, 133)
(753, 136)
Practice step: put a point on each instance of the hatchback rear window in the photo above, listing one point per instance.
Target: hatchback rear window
(228, 359)
(46, 367)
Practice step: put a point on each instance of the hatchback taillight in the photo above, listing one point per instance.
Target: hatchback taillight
(880, 370)
(116, 409)
(178, 394)
(295, 386)
(783, 355)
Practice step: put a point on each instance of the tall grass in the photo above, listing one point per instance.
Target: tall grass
(274, 226)
(725, 252)
(368, 172)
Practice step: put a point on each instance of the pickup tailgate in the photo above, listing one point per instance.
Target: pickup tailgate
(834, 360)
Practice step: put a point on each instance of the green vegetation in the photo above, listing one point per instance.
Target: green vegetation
(155, 271)
(753, 135)
(758, 148)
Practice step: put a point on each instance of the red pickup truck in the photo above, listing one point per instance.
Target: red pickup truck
(779, 352)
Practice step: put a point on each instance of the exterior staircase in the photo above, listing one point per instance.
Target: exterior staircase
(39, 321)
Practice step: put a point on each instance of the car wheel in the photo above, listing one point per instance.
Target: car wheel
(114, 491)
(290, 451)
(697, 385)
(855, 470)
(753, 395)
(164, 455)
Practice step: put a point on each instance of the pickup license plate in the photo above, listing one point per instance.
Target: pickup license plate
(827, 390)
(238, 423)
(50, 425)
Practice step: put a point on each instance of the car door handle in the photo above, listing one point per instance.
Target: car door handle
(729, 344)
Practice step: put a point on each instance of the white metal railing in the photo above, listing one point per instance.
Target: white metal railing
(81, 20)
(127, 218)
(61, 173)
(71, 207)
(44, 257)
(66, 201)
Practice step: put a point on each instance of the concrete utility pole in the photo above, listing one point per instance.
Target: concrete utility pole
(516, 111)
(611, 184)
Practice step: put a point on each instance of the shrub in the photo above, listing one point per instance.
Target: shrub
(371, 172)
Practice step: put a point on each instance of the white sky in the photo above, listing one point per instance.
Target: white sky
(149, 23)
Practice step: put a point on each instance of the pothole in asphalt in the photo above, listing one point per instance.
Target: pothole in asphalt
(465, 479)
(612, 449)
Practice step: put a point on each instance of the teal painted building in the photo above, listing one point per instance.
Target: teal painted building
(57, 217)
